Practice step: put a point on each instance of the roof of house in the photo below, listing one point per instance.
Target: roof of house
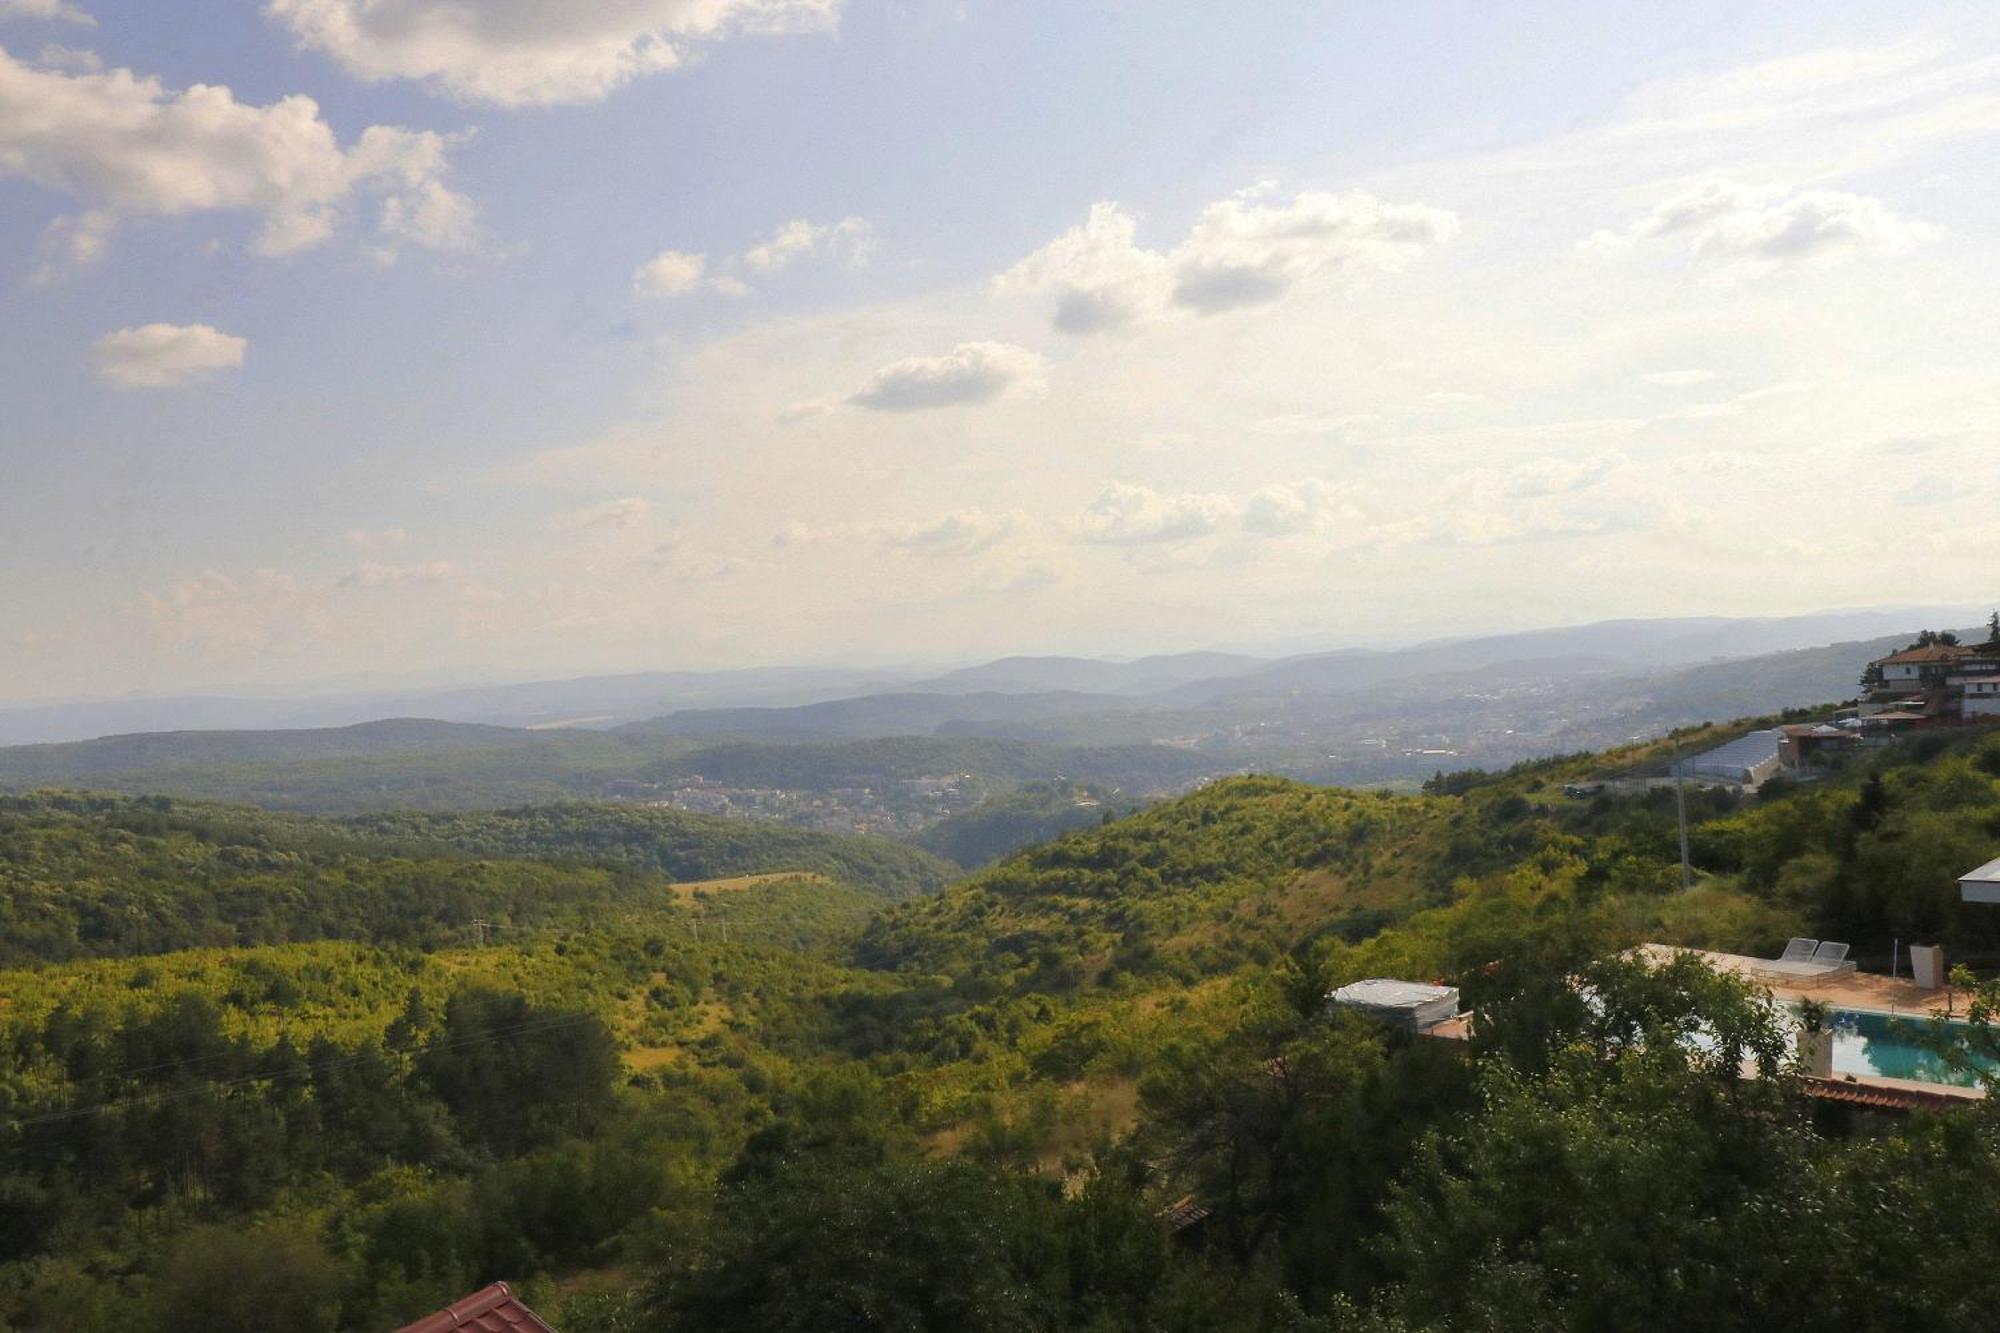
(1817, 731)
(1936, 652)
(1379, 991)
(491, 1310)
(1881, 1097)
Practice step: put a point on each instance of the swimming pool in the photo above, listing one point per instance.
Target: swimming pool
(1870, 1044)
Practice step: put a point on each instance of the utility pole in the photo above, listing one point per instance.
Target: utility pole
(480, 929)
(1681, 808)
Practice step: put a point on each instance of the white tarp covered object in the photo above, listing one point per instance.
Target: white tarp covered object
(1410, 1004)
(1981, 885)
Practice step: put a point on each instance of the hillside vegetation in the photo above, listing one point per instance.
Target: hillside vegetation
(787, 1104)
(107, 876)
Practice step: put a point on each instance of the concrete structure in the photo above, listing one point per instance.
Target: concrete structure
(1406, 1004)
(1981, 885)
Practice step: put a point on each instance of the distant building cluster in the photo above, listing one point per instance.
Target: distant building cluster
(1935, 682)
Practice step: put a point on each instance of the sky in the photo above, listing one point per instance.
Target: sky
(529, 337)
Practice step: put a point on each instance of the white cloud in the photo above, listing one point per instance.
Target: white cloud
(1124, 514)
(380, 539)
(125, 145)
(530, 52)
(1101, 278)
(969, 373)
(1749, 232)
(1292, 507)
(670, 273)
(850, 240)
(1240, 253)
(158, 356)
(56, 10)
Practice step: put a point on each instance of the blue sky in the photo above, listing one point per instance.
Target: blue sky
(1111, 328)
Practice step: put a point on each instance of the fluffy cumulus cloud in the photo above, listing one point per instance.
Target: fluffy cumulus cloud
(47, 10)
(125, 145)
(159, 356)
(1291, 507)
(670, 273)
(530, 52)
(969, 373)
(1730, 227)
(1242, 251)
(1125, 514)
(850, 240)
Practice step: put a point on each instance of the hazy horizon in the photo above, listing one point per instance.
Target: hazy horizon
(389, 685)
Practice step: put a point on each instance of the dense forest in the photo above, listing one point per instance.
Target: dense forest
(259, 1070)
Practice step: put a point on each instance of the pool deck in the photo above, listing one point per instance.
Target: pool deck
(1847, 990)
(1841, 990)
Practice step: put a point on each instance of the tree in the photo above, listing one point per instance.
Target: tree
(912, 1247)
(1638, 1181)
(219, 1280)
(515, 1076)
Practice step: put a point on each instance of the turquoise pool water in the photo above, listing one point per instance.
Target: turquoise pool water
(1866, 1043)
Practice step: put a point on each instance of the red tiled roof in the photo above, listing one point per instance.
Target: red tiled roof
(1879, 1097)
(493, 1310)
(1936, 652)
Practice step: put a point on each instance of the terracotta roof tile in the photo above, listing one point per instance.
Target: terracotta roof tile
(1880, 1097)
(492, 1310)
(1936, 652)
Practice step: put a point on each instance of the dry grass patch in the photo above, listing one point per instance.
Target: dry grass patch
(689, 889)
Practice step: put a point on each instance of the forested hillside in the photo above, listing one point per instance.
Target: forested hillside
(1090, 1087)
(673, 843)
(107, 876)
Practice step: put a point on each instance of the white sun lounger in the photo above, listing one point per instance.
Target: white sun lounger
(1815, 962)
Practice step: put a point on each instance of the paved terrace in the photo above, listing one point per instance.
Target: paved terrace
(1841, 990)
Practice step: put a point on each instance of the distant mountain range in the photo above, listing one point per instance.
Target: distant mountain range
(1139, 728)
(1162, 681)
